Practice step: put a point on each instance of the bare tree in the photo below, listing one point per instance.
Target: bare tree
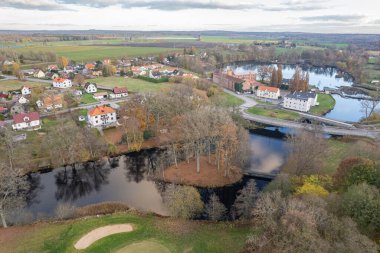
(369, 105)
(13, 189)
(215, 209)
(246, 199)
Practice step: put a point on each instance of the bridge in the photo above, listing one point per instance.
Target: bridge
(352, 131)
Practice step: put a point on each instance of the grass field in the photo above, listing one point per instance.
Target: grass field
(133, 85)
(274, 113)
(326, 103)
(88, 99)
(224, 99)
(92, 53)
(175, 235)
(6, 85)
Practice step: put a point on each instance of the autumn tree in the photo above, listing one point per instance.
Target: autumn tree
(108, 70)
(183, 201)
(79, 79)
(264, 72)
(299, 81)
(245, 200)
(215, 209)
(63, 61)
(279, 75)
(274, 78)
(307, 153)
(13, 190)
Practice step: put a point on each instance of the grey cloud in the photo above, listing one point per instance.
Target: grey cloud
(45, 5)
(336, 18)
(173, 5)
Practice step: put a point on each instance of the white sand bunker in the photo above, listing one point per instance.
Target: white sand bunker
(100, 233)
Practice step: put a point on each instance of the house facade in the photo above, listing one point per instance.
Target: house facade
(29, 121)
(300, 101)
(50, 102)
(268, 92)
(38, 74)
(90, 87)
(100, 95)
(62, 83)
(26, 90)
(102, 116)
(226, 81)
(119, 93)
(23, 100)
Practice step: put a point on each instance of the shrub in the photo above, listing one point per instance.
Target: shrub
(152, 80)
(312, 189)
(345, 166)
(102, 208)
(64, 211)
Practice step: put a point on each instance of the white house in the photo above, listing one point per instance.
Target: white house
(90, 87)
(23, 100)
(26, 90)
(62, 83)
(300, 101)
(100, 95)
(102, 116)
(29, 120)
(119, 93)
(38, 74)
(268, 92)
(50, 102)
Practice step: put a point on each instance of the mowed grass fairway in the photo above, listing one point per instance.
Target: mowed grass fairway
(6, 85)
(93, 53)
(133, 85)
(151, 232)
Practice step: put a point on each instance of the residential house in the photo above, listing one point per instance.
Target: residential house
(23, 100)
(51, 75)
(3, 96)
(268, 92)
(52, 68)
(89, 66)
(119, 93)
(90, 87)
(26, 90)
(3, 110)
(29, 120)
(17, 108)
(300, 101)
(102, 116)
(78, 93)
(50, 102)
(250, 85)
(62, 83)
(97, 73)
(100, 95)
(38, 74)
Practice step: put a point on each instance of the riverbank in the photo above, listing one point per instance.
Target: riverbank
(326, 104)
(210, 176)
(174, 234)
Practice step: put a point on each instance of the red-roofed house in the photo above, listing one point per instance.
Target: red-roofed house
(119, 93)
(29, 120)
(101, 116)
(62, 83)
(268, 92)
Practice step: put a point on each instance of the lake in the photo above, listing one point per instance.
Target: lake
(128, 179)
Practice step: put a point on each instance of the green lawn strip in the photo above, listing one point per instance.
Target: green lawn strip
(198, 236)
(274, 113)
(132, 84)
(326, 104)
(7, 85)
(224, 99)
(88, 99)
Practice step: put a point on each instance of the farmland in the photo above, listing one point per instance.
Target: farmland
(6, 85)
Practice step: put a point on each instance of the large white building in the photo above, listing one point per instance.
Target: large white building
(91, 87)
(62, 83)
(29, 120)
(102, 116)
(300, 101)
(268, 92)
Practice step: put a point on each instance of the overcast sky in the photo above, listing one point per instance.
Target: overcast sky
(331, 16)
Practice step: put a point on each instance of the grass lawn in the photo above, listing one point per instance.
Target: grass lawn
(175, 235)
(326, 104)
(88, 99)
(7, 85)
(92, 53)
(133, 85)
(226, 100)
(274, 113)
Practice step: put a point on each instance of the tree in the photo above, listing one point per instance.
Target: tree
(307, 152)
(63, 61)
(245, 200)
(299, 81)
(215, 209)
(274, 78)
(279, 75)
(264, 72)
(183, 201)
(362, 203)
(310, 188)
(282, 183)
(108, 70)
(13, 189)
(369, 105)
(79, 79)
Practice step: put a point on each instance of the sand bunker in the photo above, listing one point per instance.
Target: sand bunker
(100, 233)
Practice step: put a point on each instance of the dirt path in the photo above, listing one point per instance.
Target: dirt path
(100, 233)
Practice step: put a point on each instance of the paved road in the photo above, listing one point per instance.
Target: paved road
(248, 102)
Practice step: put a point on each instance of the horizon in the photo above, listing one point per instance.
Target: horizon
(325, 17)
